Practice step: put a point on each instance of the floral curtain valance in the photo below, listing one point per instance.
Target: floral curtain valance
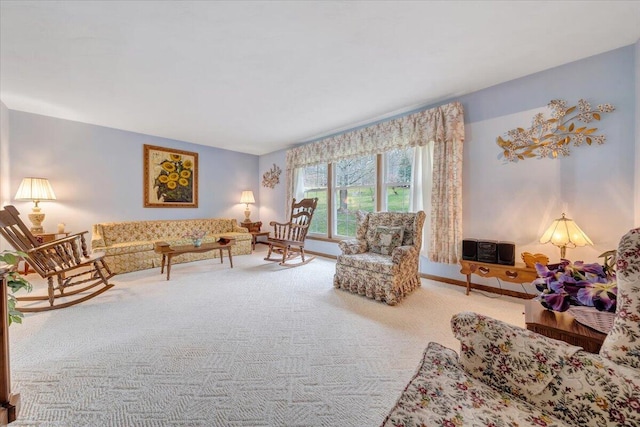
(408, 131)
(438, 130)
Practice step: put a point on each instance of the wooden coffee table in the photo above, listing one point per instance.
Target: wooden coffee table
(168, 251)
(561, 326)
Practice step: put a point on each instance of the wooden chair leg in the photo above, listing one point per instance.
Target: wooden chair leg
(50, 290)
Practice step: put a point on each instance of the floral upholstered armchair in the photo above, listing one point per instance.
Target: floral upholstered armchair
(382, 261)
(507, 376)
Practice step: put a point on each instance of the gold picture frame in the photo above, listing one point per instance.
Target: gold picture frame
(170, 178)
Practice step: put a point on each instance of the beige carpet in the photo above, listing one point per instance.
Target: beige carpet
(256, 345)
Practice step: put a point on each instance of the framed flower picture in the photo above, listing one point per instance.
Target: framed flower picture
(170, 178)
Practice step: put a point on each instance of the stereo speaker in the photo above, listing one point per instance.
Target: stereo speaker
(470, 249)
(488, 251)
(506, 253)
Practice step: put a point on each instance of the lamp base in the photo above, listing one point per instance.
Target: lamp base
(36, 219)
(247, 214)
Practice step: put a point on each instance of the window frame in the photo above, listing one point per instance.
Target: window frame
(380, 194)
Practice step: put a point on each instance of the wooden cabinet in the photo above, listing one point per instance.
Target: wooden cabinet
(518, 273)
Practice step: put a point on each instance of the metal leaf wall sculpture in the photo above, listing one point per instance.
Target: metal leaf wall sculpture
(271, 177)
(553, 137)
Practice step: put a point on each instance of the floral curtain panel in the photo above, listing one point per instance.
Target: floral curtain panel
(444, 126)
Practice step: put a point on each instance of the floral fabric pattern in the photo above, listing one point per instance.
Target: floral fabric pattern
(512, 358)
(387, 239)
(386, 278)
(442, 394)
(580, 388)
(622, 345)
(129, 246)
(444, 126)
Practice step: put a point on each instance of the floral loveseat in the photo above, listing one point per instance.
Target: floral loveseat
(509, 376)
(129, 246)
(382, 261)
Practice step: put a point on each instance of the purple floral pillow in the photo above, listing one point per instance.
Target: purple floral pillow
(622, 345)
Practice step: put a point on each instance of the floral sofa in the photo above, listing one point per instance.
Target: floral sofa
(129, 246)
(382, 261)
(509, 376)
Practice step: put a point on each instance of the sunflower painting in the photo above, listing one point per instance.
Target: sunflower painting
(170, 178)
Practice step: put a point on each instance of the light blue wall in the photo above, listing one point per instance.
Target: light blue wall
(4, 162)
(595, 185)
(272, 200)
(96, 173)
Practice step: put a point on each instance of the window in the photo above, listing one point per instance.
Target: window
(315, 180)
(397, 180)
(355, 189)
(371, 183)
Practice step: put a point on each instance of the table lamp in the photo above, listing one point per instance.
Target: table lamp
(247, 197)
(565, 233)
(36, 190)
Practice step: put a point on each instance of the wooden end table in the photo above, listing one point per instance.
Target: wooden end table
(168, 251)
(561, 326)
(518, 273)
(254, 229)
(254, 238)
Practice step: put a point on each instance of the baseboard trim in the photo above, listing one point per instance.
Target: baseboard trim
(484, 288)
(322, 254)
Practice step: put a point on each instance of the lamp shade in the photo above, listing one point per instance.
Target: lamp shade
(247, 197)
(35, 189)
(565, 233)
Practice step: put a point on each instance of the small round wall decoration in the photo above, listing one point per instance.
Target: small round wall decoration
(271, 177)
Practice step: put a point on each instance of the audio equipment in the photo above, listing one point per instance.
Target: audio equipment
(470, 249)
(488, 251)
(506, 253)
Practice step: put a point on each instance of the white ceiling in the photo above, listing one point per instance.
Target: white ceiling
(257, 77)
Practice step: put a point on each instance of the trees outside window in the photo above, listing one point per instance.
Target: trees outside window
(316, 179)
(355, 186)
(372, 183)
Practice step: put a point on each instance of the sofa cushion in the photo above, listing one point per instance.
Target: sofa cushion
(584, 390)
(622, 344)
(506, 356)
(128, 248)
(386, 239)
(441, 393)
(368, 261)
(391, 219)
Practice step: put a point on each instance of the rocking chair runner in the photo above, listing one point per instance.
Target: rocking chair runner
(288, 238)
(66, 259)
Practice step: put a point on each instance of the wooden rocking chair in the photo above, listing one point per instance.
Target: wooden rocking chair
(66, 259)
(288, 238)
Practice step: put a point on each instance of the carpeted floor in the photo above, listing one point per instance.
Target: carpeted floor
(256, 345)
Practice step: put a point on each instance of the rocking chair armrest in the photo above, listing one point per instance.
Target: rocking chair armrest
(56, 242)
(282, 224)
